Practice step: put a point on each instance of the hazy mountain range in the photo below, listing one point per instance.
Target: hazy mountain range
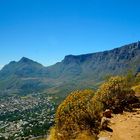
(73, 72)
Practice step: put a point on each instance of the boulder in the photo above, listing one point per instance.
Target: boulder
(104, 122)
(107, 113)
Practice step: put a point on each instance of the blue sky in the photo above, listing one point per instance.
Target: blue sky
(47, 30)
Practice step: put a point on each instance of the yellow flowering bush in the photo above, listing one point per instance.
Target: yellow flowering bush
(76, 114)
(86, 136)
(115, 93)
(137, 90)
(52, 135)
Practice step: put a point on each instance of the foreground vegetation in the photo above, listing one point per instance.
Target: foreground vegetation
(79, 115)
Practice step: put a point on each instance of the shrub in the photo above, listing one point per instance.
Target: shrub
(86, 136)
(52, 134)
(79, 115)
(76, 114)
(137, 89)
(115, 94)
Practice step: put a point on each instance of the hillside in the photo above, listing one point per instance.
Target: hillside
(92, 68)
(74, 72)
(23, 76)
(125, 126)
(97, 65)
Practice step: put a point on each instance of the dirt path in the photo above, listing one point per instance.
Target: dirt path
(125, 127)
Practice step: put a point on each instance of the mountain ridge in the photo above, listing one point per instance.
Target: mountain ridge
(137, 44)
(73, 72)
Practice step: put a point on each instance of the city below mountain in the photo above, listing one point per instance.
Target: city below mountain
(74, 72)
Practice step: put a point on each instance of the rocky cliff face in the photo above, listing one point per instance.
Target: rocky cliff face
(97, 65)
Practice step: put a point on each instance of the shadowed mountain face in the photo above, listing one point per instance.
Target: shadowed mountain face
(22, 76)
(23, 68)
(74, 72)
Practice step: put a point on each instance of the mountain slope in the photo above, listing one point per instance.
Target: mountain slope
(96, 66)
(23, 68)
(125, 126)
(23, 76)
(74, 72)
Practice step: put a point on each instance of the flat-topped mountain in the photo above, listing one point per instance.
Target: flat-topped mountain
(96, 65)
(74, 72)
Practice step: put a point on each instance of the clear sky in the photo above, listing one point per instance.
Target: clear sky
(47, 30)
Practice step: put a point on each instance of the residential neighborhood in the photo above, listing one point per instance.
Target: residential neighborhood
(25, 117)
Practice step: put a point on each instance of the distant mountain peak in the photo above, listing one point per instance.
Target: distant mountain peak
(12, 62)
(138, 44)
(135, 45)
(25, 59)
